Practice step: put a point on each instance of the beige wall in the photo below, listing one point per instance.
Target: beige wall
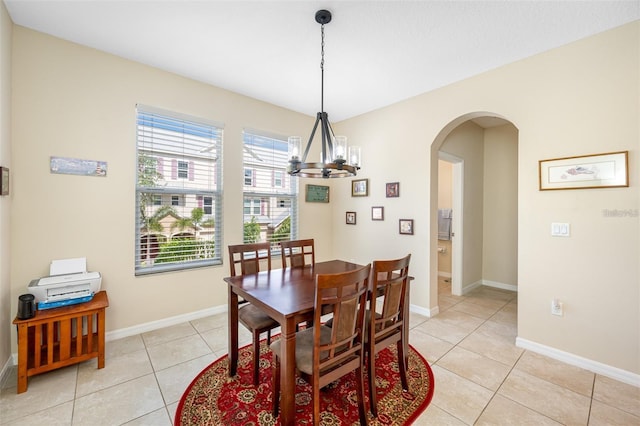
(577, 99)
(500, 213)
(77, 102)
(6, 32)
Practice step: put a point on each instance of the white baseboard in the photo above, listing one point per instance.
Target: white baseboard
(502, 286)
(466, 289)
(5, 370)
(165, 322)
(424, 311)
(578, 361)
(444, 274)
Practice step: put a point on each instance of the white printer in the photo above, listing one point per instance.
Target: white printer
(69, 283)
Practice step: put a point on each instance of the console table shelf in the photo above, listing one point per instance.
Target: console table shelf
(59, 337)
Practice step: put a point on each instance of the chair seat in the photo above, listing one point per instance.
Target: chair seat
(304, 348)
(255, 318)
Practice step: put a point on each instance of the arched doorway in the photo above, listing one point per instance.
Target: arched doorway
(484, 250)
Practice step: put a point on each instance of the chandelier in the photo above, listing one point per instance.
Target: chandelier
(337, 159)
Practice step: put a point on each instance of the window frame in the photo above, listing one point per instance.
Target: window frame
(157, 139)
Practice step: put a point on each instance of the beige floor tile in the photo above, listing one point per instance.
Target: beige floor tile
(436, 416)
(605, 415)
(123, 346)
(617, 394)
(551, 370)
(474, 309)
(156, 418)
(458, 396)
(451, 326)
(174, 380)
(487, 302)
(502, 411)
(116, 370)
(492, 345)
(60, 415)
(177, 351)
(208, 323)
(556, 402)
(44, 391)
(119, 404)
(416, 319)
(477, 368)
(168, 334)
(217, 338)
(431, 348)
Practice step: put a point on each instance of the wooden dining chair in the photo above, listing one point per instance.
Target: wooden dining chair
(386, 319)
(325, 354)
(298, 253)
(246, 259)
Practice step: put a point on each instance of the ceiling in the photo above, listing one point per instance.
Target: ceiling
(376, 52)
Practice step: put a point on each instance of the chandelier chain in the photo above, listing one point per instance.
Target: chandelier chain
(322, 68)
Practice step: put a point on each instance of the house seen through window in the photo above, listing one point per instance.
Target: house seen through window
(270, 194)
(178, 191)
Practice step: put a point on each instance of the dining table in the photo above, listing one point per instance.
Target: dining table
(288, 296)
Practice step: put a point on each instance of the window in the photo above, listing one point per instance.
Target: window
(248, 177)
(178, 192)
(270, 194)
(183, 169)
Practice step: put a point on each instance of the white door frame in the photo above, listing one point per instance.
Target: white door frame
(457, 205)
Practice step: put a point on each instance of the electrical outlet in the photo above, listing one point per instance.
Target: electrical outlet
(556, 307)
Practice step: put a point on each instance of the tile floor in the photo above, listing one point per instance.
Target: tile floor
(482, 378)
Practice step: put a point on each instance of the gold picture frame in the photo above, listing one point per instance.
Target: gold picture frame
(608, 170)
(360, 187)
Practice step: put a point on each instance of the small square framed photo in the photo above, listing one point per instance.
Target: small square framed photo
(350, 218)
(377, 213)
(406, 226)
(360, 187)
(393, 190)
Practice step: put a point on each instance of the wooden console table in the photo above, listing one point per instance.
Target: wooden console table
(59, 337)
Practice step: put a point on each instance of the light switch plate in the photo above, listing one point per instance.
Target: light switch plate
(560, 229)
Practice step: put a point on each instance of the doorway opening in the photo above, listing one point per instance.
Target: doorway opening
(479, 153)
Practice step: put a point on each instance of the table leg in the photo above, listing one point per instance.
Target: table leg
(288, 373)
(233, 332)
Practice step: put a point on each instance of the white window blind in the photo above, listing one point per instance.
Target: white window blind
(270, 195)
(178, 191)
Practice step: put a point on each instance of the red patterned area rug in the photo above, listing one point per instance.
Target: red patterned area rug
(214, 398)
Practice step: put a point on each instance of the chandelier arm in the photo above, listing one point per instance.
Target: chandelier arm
(327, 138)
(313, 133)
